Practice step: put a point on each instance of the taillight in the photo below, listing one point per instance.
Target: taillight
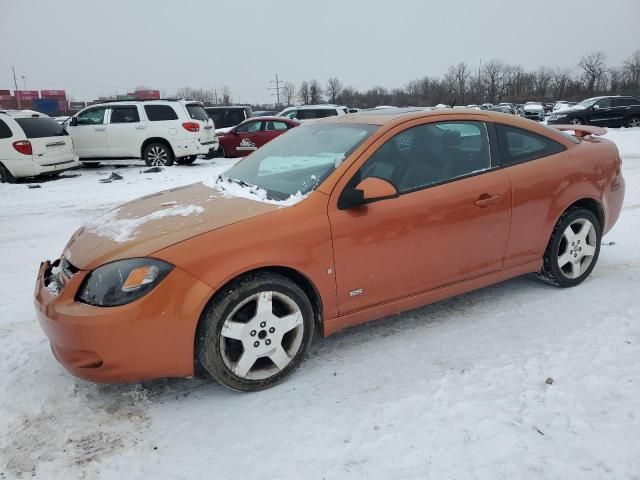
(23, 147)
(191, 126)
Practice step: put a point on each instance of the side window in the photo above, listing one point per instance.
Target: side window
(234, 117)
(625, 102)
(249, 127)
(606, 103)
(430, 154)
(5, 131)
(292, 114)
(517, 146)
(216, 116)
(94, 116)
(279, 126)
(125, 115)
(159, 113)
(327, 113)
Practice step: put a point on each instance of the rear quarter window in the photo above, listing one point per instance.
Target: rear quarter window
(40, 127)
(5, 131)
(196, 112)
(159, 113)
(518, 145)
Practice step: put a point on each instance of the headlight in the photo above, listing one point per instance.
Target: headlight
(122, 282)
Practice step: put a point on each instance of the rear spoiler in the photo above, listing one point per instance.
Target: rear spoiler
(581, 131)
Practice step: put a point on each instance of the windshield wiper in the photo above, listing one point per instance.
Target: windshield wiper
(234, 180)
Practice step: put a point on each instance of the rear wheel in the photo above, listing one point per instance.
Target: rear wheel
(158, 154)
(633, 122)
(186, 160)
(573, 249)
(256, 333)
(576, 121)
(5, 175)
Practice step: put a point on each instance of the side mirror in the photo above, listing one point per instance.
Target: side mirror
(596, 107)
(369, 190)
(73, 121)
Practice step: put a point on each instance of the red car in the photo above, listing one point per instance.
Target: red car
(251, 134)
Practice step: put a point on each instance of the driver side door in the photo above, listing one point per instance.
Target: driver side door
(450, 221)
(246, 138)
(89, 133)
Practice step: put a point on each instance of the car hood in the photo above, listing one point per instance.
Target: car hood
(148, 224)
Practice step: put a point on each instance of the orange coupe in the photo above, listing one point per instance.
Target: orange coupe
(338, 222)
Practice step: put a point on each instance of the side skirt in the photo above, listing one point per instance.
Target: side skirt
(407, 303)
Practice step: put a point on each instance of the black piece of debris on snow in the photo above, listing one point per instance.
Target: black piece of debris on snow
(549, 381)
(152, 170)
(34, 186)
(112, 177)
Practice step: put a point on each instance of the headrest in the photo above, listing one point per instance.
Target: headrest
(451, 138)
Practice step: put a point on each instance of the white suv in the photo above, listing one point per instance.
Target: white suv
(157, 131)
(32, 144)
(312, 112)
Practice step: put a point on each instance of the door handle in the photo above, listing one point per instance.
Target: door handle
(140, 127)
(485, 200)
(100, 129)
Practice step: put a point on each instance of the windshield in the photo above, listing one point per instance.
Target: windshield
(588, 102)
(299, 160)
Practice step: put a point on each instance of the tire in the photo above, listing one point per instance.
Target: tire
(573, 248)
(232, 325)
(633, 122)
(158, 154)
(5, 175)
(220, 152)
(91, 164)
(186, 160)
(576, 121)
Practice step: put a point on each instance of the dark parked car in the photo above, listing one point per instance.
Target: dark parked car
(266, 113)
(224, 117)
(601, 111)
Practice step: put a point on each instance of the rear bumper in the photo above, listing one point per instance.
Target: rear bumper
(33, 168)
(193, 147)
(150, 338)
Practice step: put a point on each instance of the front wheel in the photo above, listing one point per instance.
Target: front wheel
(158, 155)
(576, 121)
(256, 332)
(573, 249)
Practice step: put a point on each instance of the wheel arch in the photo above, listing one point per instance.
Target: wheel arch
(591, 204)
(154, 140)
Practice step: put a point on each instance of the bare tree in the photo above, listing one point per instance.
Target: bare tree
(493, 76)
(458, 77)
(315, 92)
(593, 70)
(203, 95)
(334, 88)
(226, 95)
(542, 81)
(631, 70)
(288, 94)
(304, 95)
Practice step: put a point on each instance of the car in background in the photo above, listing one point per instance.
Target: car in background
(337, 223)
(533, 111)
(486, 106)
(251, 134)
(225, 117)
(312, 112)
(473, 106)
(502, 109)
(617, 111)
(511, 106)
(156, 131)
(33, 144)
(265, 113)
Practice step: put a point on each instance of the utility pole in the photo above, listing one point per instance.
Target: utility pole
(24, 81)
(15, 82)
(276, 88)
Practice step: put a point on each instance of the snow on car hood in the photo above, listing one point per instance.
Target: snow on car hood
(146, 225)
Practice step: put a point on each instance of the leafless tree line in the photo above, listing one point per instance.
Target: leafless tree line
(208, 96)
(492, 82)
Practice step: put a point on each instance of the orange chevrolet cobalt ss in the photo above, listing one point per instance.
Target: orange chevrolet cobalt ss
(338, 222)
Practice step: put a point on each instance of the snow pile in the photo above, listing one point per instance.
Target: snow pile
(251, 192)
(122, 230)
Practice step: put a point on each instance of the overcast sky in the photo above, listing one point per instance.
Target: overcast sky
(91, 48)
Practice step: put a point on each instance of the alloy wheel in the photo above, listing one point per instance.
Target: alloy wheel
(158, 156)
(634, 122)
(575, 121)
(577, 248)
(261, 335)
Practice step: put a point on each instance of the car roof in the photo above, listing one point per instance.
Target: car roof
(312, 107)
(230, 107)
(271, 118)
(23, 114)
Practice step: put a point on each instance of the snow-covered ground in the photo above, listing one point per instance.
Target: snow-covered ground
(452, 390)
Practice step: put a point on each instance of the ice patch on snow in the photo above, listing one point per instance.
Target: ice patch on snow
(122, 230)
(251, 192)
